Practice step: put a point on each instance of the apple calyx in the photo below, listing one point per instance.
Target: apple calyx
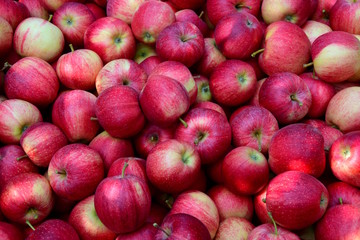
(305, 65)
(183, 122)
(163, 230)
(201, 14)
(6, 65)
(199, 138)
(50, 17)
(21, 157)
(257, 52)
(71, 47)
(126, 164)
(167, 202)
(61, 172)
(273, 221)
(294, 98)
(154, 138)
(340, 201)
(240, 6)
(30, 225)
(185, 39)
(325, 14)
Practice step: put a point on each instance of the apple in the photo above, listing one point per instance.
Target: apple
(253, 127)
(150, 63)
(40, 141)
(286, 96)
(6, 37)
(299, 203)
(10, 232)
(134, 166)
(55, 229)
(234, 228)
(150, 19)
(87, 224)
(143, 51)
(238, 35)
(267, 231)
(75, 171)
(14, 12)
(33, 80)
(345, 9)
(110, 148)
(15, 116)
(314, 29)
(110, 38)
(189, 15)
(27, 198)
(100, 3)
(341, 193)
(187, 4)
(254, 100)
(36, 8)
(260, 206)
(173, 166)
(210, 105)
(72, 112)
(97, 11)
(336, 56)
(339, 222)
(36, 37)
(322, 12)
(123, 9)
(203, 89)
(182, 42)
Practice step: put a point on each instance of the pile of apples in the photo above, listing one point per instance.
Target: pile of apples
(180, 119)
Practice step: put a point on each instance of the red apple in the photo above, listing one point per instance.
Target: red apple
(269, 232)
(10, 232)
(188, 15)
(54, 229)
(344, 16)
(314, 29)
(134, 166)
(322, 12)
(14, 12)
(254, 101)
(36, 8)
(342, 193)
(210, 105)
(97, 11)
(234, 228)
(6, 37)
(203, 89)
(150, 63)
(123, 9)
(260, 206)
(75, 171)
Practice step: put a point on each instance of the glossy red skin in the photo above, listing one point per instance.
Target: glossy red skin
(97, 11)
(344, 16)
(107, 29)
(287, 49)
(322, 12)
(150, 136)
(232, 82)
(110, 148)
(247, 121)
(347, 193)
(15, 116)
(210, 105)
(260, 206)
(215, 129)
(275, 95)
(72, 112)
(150, 63)
(188, 15)
(267, 232)
(344, 159)
(164, 103)
(85, 221)
(36, 8)
(151, 18)
(254, 101)
(23, 192)
(6, 37)
(54, 229)
(136, 167)
(238, 35)
(296, 200)
(321, 94)
(123, 203)
(121, 72)
(230, 204)
(10, 167)
(182, 42)
(123, 9)
(187, 4)
(40, 141)
(33, 80)
(10, 232)
(118, 111)
(297, 147)
(14, 12)
(234, 228)
(255, 64)
(339, 222)
(84, 170)
(217, 9)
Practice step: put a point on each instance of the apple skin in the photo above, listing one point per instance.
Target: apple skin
(14, 12)
(347, 193)
(27, 197)
(230, 204)
(232, 82)
(238, 35)
(254, 101)
(208, 131)
(15, 116)
(6, 37)
(253, 127)
(123, 9)
(150, 63)
(33, 80)
(172, 166)
(287, 208)
(87, 224)
(97, 11)
(111, 148)
(54, 229)
(342, 46)
(234, 228)
(75, 171)
(341, 112)
(36, 37)
(110, 38)
(36, 8)
(286, 49)
(297, 147)
(343, 158)
(151, 18)
(286, 96)
(73, 18)
(72, 112)
(322, 12)
(188, 15)
(200, 206)
(267, 232)
(10, 232)
(314, 29)
(187, 4)
(217, 9)
(135, 166)
(210, 105)
(260, 206)
(164, 103)
(344, 16)
(182, 42)
(122, 203)
(40, 141)
(10, 166)
(339, 222)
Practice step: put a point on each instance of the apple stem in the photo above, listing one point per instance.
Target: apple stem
(196, 76)
(242, 6)
(30, 225)
(257, 52)
(167, 201)
(71, 47)
(294, 98)
(201, 14)
(273, 221)
(183, 122)
(341, 201)
(21, 157)
(123, 170)
(93, 119)
(263, 200)
(50, 18)
(6, 65)
(308, 64)
(185, 39)
(258, 138)
(160, 228)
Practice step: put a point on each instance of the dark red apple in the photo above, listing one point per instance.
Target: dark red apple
(150, 63)
(188, 15)
(10, 232)
(342, 193)
(134, 166)
(260, 206)
(187, 4)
